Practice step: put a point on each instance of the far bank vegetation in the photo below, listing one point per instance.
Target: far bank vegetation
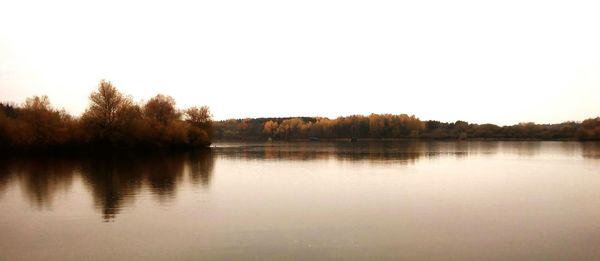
(393, 126)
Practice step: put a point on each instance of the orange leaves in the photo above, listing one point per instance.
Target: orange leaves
(111, 120)
(161, 108)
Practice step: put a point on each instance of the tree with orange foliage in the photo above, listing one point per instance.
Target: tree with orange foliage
(270, 127)
(199, 117)
(161, 108)
(105, 104)
(44, 125)
(107, 108)
(201, 127)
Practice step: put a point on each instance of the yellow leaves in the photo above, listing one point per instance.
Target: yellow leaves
(374, 125)
(270, 127)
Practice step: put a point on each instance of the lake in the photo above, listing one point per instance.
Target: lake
(475, 200)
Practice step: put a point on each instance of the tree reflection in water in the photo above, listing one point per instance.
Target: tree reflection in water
(375, 152)
(113, 180)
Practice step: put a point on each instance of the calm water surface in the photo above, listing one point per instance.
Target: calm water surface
(306, 201)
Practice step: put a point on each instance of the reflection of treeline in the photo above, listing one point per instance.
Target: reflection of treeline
(390, 126)
(112, 119)
(401, 152)
(112, 180)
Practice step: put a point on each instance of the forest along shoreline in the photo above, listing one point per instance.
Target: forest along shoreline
(112, 121)
(390, 127)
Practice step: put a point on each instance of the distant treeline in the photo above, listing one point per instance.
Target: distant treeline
(112, 120)
(391, 126)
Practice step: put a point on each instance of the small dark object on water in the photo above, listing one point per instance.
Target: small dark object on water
(353, 139)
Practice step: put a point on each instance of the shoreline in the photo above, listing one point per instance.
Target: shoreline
(397, 139)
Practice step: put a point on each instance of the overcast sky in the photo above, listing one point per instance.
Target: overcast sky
(502, 62)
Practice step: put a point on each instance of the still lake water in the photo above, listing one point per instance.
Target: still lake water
(307, 201)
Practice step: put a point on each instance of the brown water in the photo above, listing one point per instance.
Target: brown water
(308, 201)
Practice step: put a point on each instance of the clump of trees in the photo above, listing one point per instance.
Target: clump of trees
(386, 126)
(35, 124)
(390, 126)
(521, 131)
(112, 120)
(589, 129)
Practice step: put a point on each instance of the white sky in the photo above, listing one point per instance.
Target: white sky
(482, 61)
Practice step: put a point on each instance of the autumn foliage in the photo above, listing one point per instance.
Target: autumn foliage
(112, 120)
(392, 126)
